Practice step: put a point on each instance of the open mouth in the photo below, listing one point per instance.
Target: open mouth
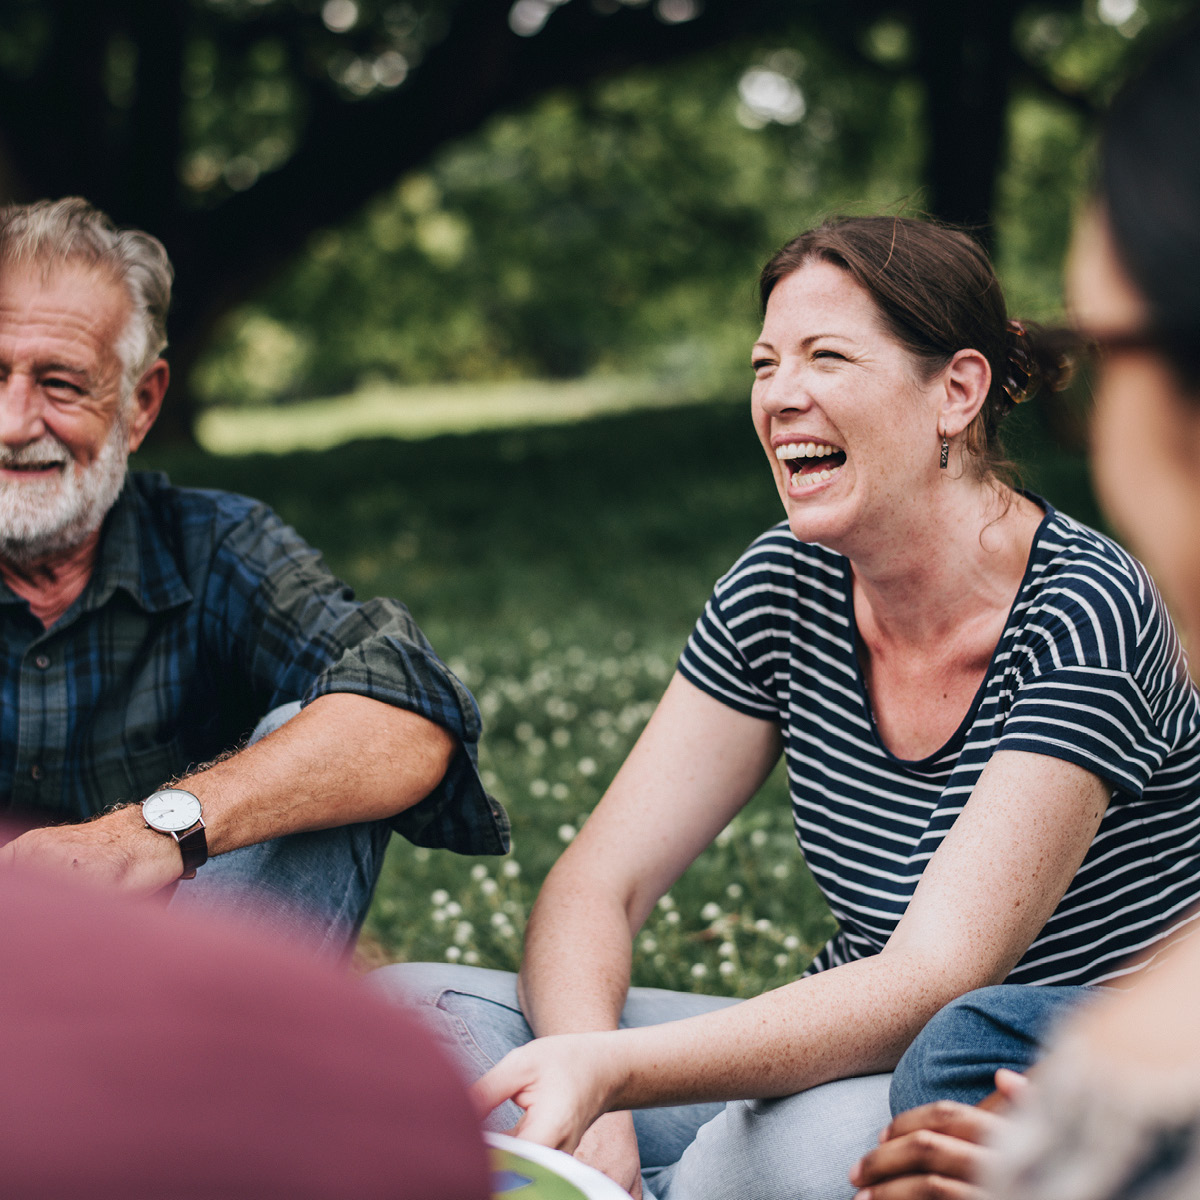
(32, 468)
(810, 462)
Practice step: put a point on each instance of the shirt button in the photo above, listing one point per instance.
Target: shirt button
(35, 772)
(42, 661)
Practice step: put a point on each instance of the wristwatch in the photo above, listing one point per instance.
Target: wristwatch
(177, 813)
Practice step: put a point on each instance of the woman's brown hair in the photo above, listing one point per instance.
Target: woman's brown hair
(937, 294)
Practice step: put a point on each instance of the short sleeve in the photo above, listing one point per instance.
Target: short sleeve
(743, 635)
(1100, 680)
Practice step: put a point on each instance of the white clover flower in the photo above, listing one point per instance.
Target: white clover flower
(440, 897)
(758, 838)
(726, 949)
(673, 917)
(566, 833)
(453, 953)
(762, 925)
(734, 891)
(499, 920)
(439, 916)
(791, 942)
(471, 957)
(511, 868)
(524, 731)
(537, 747)
(726, 968)
(538, 788)
(586, 766)
(781, 960)
(665, 902)
(463, 932)
(699, 970)
(454, 909)
(649, 944)
(780, 870)
(478, 872)
(489, 887)
(561, 738)
(560, 791)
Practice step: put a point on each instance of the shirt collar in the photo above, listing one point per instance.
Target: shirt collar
(135, 556)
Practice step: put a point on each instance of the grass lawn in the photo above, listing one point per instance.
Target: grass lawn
(558, 569)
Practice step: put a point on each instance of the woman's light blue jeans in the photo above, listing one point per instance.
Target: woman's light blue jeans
(314, 888)
(797, 1148)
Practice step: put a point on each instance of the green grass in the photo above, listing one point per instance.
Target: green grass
(559, 570)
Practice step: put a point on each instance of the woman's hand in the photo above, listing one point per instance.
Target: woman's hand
(611, 1146)
(562, 1082)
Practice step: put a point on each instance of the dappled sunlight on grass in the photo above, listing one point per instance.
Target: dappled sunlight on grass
(383, 410)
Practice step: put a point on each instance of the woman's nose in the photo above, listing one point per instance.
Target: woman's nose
(784, 390)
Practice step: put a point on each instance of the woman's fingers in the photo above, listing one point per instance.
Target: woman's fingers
(550, 1083)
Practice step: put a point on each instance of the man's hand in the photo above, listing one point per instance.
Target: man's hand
(611, 1146)
(938, 1151)
(116, 850)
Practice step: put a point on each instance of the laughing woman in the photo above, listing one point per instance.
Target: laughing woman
(984, 714)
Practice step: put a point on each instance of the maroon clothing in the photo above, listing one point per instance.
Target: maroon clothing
(148, 1055)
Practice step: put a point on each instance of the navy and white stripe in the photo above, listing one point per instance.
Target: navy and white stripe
(1089, 669)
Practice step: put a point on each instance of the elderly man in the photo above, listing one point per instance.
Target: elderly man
(148, 629)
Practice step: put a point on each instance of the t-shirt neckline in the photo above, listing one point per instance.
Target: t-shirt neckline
(952, 742)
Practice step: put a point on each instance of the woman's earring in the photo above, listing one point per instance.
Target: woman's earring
(944, 462)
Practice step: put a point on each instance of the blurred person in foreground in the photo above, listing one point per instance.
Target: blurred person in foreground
(948, 666)
(1113, 1111)
(145, 629)
(151, 1055)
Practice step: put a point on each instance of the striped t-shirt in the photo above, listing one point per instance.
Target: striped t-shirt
(1089, 669)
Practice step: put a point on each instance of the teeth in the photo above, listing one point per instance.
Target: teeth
(801, 479)
(795, 450)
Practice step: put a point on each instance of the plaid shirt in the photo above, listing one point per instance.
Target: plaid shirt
(204, 612)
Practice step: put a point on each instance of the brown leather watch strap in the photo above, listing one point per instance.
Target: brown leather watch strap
(193, 845)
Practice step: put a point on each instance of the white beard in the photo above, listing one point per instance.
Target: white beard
(40, 518)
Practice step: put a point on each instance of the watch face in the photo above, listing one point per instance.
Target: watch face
(171, 810)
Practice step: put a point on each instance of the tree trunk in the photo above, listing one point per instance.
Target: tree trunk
(966, 62)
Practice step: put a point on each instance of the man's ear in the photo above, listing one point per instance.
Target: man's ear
(147, 401)
(966, 378)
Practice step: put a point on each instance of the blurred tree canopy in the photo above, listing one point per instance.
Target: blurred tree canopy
(548, 184)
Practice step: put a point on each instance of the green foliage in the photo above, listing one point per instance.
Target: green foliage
(618, 228)
(559, 571)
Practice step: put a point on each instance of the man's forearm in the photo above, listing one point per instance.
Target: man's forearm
(343, 759)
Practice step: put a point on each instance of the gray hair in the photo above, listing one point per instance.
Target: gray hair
(49, 232)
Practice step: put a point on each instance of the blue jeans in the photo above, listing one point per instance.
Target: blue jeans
(956, 1056)
(312, 887)
(796, 1148)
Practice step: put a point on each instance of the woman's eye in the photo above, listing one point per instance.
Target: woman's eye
(761, 364)
(831, 354)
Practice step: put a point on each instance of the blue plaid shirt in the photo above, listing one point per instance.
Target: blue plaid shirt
(204, 612)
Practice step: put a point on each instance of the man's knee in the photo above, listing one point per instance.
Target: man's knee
(957, 1054)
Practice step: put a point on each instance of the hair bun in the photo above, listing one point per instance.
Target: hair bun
(1034, 359)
